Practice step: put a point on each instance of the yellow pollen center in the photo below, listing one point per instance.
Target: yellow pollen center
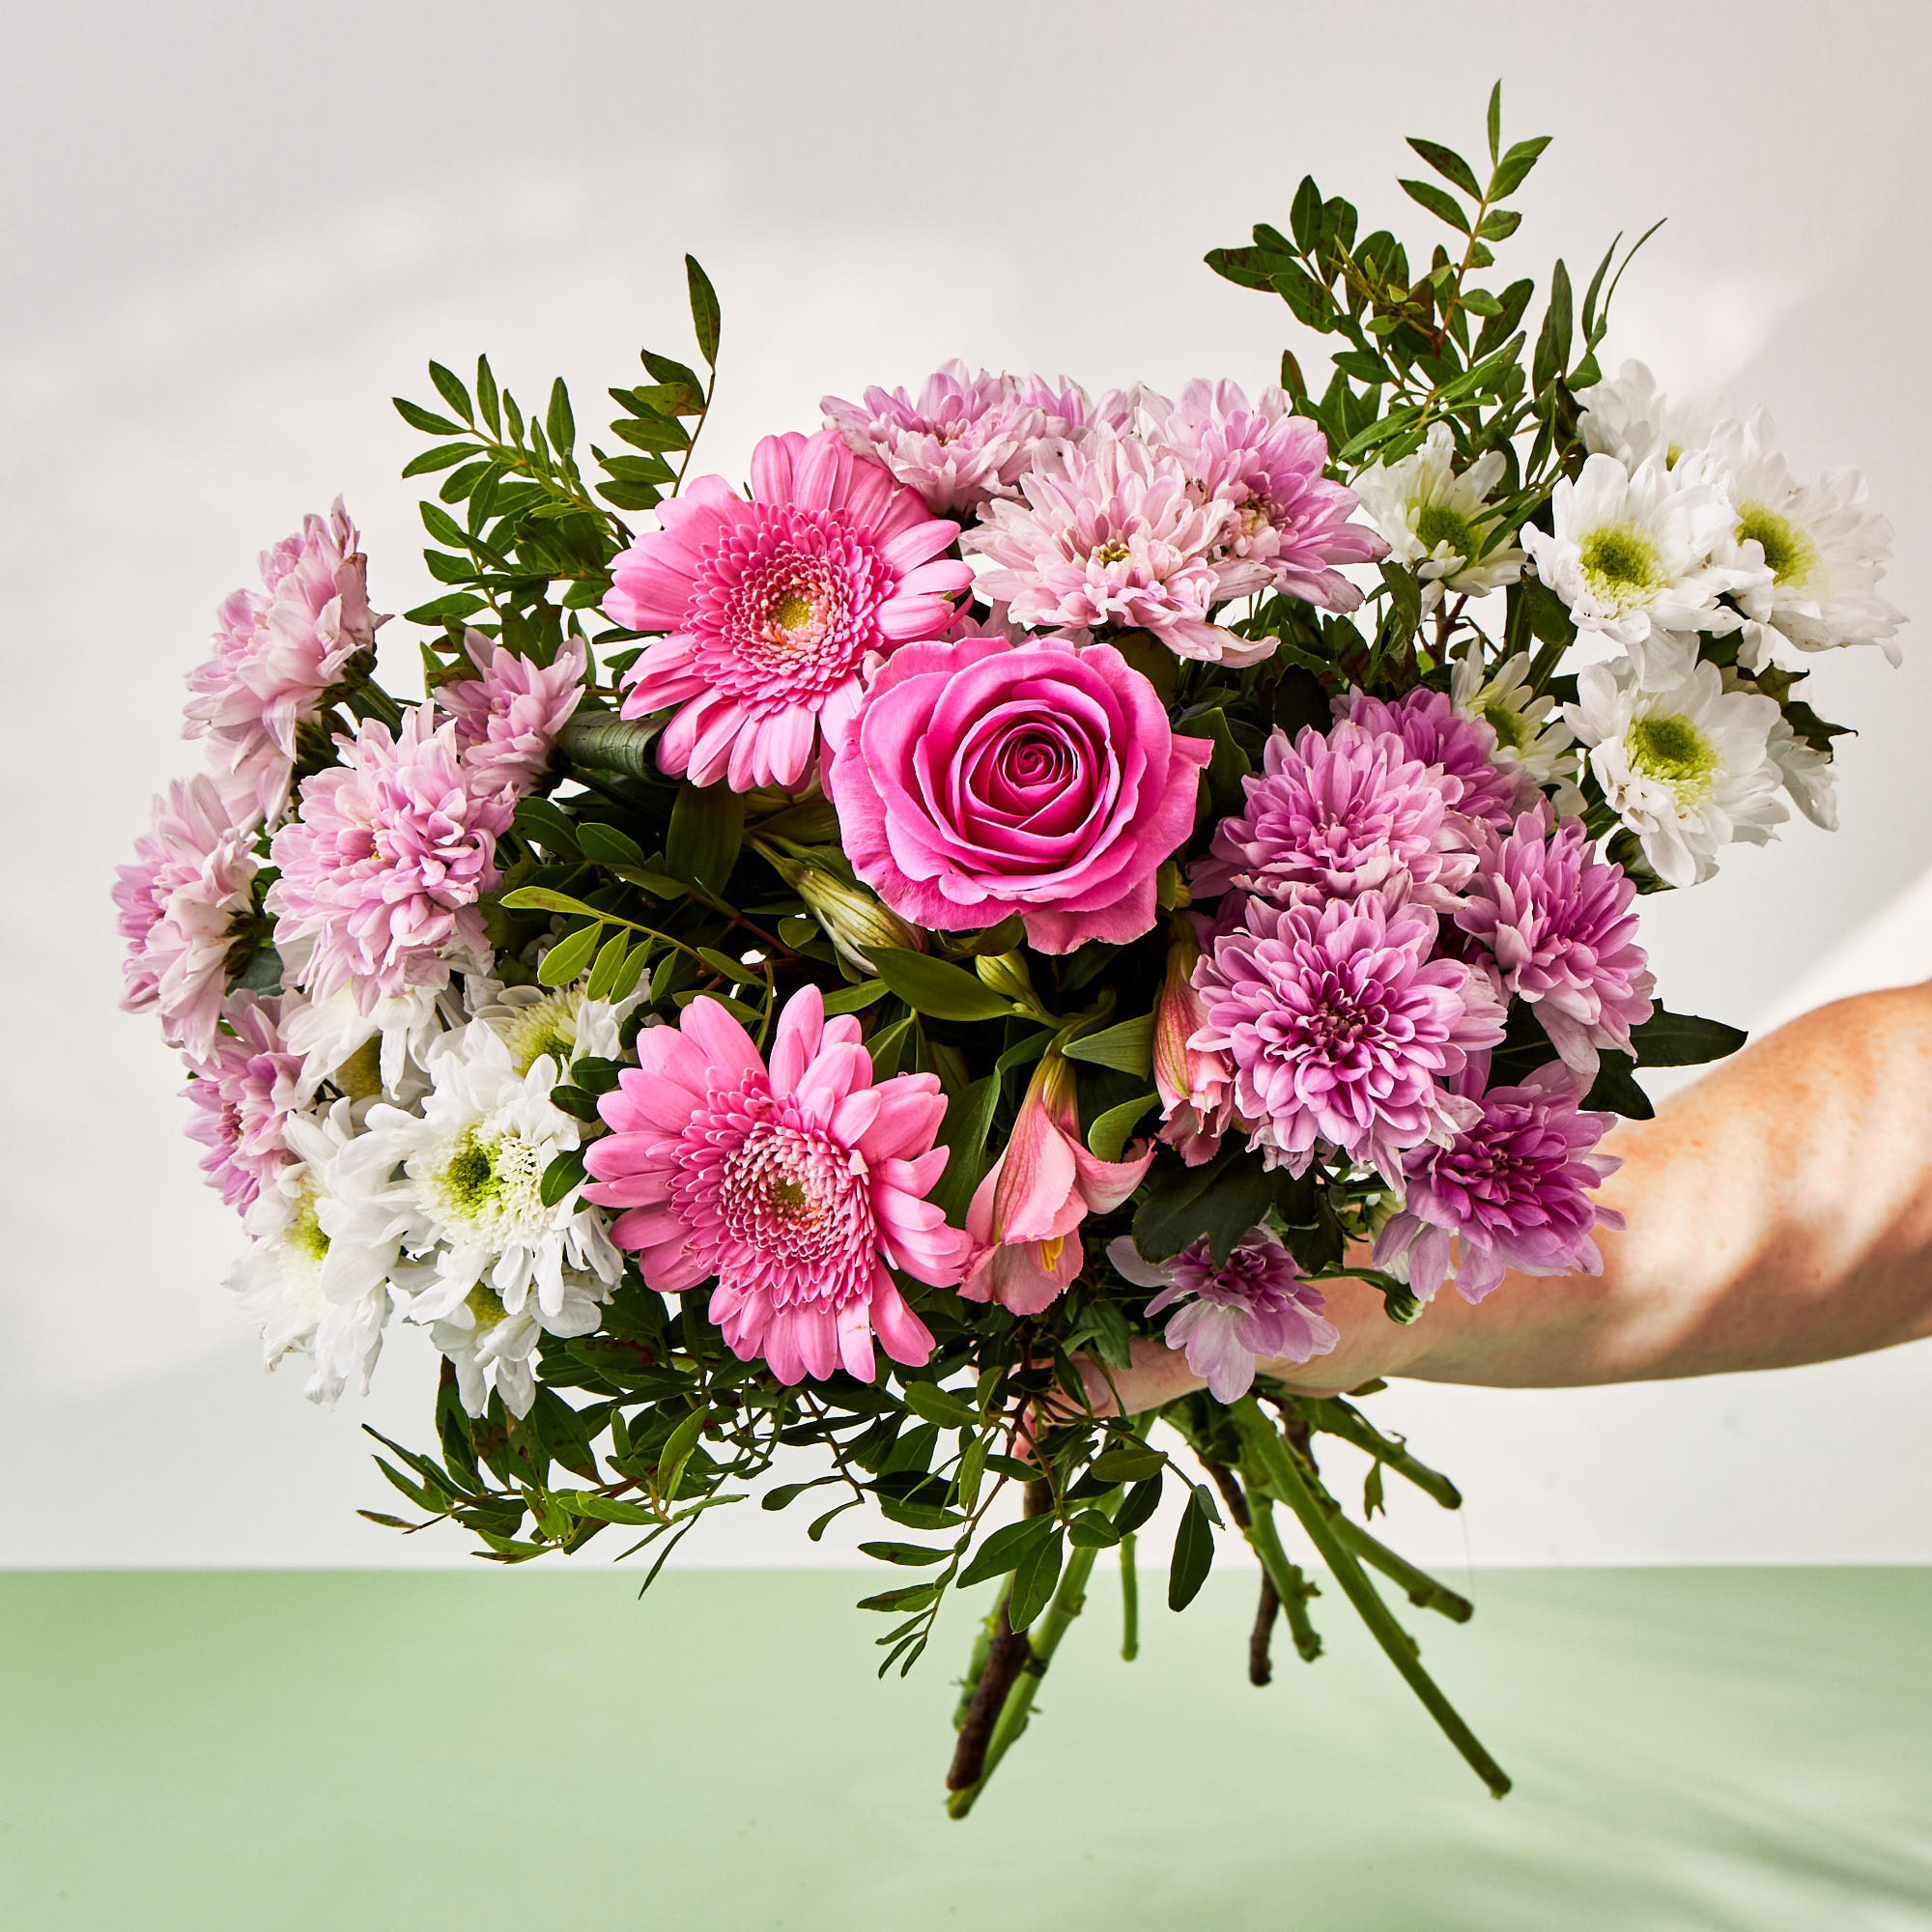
(792, 612)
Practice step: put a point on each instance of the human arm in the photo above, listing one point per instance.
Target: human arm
(1778, 1211)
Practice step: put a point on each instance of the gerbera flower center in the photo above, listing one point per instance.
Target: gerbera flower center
(1671, 750)
(793, 611)
(1787, 549)
(791, 1193)
(1619, 563)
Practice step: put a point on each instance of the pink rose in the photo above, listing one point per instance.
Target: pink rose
(981, 779)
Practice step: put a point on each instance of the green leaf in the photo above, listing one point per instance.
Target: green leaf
(1553, 344)
(933, 1404)
(914, 1596)
(611, 958)
(674, 375)
(1142, 1500)
(1304, 215)
(486, 395)
(1221, 1201)
(1035, 1575)
(850, 999)
(442, 457)
(625, 981)
(1683, 1040)
(1439, 202)
(565, 1171)
(423, 419)
(1193, 1554)
(704, 316)
(1128, 1461)
(1449, 164)
(1499, 224)
(1229, 765)
(449, 387)
(1615, 1091)
(910, 1556)
(676, 1451)
(1107, 1137)
(574, 1101)
(548, 825)
(969, 1120)
(559, 420)
(1495, 121)
(1127, 1048)
(733, 970)
(1092, 1530)
(603, 1508)
(442, 526)
(650, 433)
(459, 604)
(569, 956)
(932, 987)
(1003, 1549)
(606, 845)
(707, 827)
(1515, 166)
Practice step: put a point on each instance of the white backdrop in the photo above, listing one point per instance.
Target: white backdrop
(232, 230)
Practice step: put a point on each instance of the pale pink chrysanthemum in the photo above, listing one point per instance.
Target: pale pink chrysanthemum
(800, 1187)
(279, 651)
(1231, 1316)
(1289, 525)
(193, 872)
(1342, 1030)
(1110, 533)
(382, 869)
(507, 719)
(1340, 817)
(966, 438)
(244, 1089)
(1436, 733)
(1559, 924)
(773, 605)
(1511, 1190)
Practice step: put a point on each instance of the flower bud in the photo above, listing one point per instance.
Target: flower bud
(849, 916)
(1170, 892)
(1006, 974)
(1193, 1085)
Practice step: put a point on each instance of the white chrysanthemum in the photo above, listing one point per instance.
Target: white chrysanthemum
(316, 1276)
(1630, 418)
(479, 1334)
(366, 1054)
(533, 1021)
(472, 1165)
(1633, 551)
(1806, 773)
(1821, 548)
(1530, 730)
(1684, 762)
(1439, 521)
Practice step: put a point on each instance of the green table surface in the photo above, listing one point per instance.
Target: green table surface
(1742, 1748)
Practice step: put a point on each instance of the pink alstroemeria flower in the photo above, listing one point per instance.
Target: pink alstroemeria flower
(1024, 1215)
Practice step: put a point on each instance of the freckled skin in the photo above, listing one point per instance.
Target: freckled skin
(1779, 1213)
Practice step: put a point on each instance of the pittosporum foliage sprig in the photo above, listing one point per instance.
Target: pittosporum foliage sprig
(843, 973)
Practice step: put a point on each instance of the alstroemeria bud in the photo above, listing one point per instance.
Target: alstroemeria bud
(1006, 974)
(847, 914)
(1193, 1085)
(1170, 892)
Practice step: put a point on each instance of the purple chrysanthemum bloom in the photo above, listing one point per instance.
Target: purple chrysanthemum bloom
(1342, 1030)
(1253, 1307)
(1341, 817)
(1512, 1189)
(1436, 733)
(244, 1089)
(1558, 921)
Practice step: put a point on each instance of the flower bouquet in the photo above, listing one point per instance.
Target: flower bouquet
(829, 970)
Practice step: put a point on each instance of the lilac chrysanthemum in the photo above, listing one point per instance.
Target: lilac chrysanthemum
(193, 872)
(381, 870)
(1254, 1307)
(508, 718)
(1289, 525)
(800, 1186)
(1342, 1030)
(1111, 532)
(1340, 817)
(1436, 733)
(244, 1089)
(1558, 921)
(774, 605)
(279, 651)
(965, 440)
(1512, 1189)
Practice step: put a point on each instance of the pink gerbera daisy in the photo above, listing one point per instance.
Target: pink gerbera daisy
(800, 1186)
(772, 605)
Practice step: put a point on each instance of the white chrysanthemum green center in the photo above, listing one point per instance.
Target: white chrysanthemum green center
(546, 1026)
(1511, 727)
(484, 1307)
(1671, 750)
(1620, 564)
(1790, 554)
(487, 1183)
(1437, 527)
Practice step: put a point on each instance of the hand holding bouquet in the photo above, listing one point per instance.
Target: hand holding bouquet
(826, 967)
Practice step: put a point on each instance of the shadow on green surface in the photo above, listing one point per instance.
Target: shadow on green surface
(1741, 1749)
